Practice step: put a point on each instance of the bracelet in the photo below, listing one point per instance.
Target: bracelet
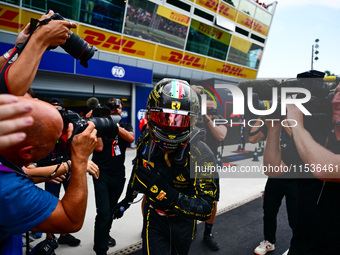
(68, 162)
(6, 55)
(66, 169)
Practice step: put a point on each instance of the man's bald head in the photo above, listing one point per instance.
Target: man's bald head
(41, 136)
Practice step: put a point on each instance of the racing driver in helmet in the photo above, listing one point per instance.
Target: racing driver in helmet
(164, 170)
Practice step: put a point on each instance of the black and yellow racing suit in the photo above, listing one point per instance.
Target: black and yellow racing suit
(170, 230)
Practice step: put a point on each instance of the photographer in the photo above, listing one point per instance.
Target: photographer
(109, 155)
(18, 71)
(213, 137)
(315, 154)
(38, 209)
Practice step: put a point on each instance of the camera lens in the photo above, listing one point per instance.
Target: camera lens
(79, 49)
(106, 126)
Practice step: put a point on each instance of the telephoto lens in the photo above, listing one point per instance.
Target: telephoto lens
(79, 49)
(76, 46)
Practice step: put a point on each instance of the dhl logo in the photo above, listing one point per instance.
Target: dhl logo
(7, 19)
(226, 11)
(113, 42)
(248, 22)
(215, 5)
(256, 26)
(179, 58)
(232, 70)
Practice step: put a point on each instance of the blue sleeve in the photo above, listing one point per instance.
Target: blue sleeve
(23, 205)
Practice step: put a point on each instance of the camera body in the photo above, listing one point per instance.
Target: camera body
(76, 46)
(114, 104)
(106, 126)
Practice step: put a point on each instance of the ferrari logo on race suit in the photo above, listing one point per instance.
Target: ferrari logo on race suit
(154, 189)
(176, 105)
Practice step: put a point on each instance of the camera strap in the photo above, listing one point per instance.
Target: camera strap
(10, 165)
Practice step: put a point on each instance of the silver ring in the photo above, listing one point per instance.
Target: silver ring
(68, 36)
(70, 23)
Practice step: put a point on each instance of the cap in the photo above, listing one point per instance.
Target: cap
(56, 101)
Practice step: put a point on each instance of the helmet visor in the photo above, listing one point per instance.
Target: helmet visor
(170, 121)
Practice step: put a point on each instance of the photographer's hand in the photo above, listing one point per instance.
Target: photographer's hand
(294, 116)
(11, 121)
(55, 33)
(23, 35)
(21, 73)
(83, 143)
(93, 169)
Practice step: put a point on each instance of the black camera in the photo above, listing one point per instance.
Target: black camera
(101, 111)
(106, 126)
(114, 104)
(76, 46)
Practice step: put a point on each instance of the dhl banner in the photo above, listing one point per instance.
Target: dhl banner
(260, 28)
(117, 43)
(227, 11)
(244, 20)
(172, 15)
(209, 4)
(177, 57)
(219, 6)
(14, 20)
(220, 67)
(248, 22)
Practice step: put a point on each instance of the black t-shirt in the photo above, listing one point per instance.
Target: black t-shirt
(318, 230)
(111, 159)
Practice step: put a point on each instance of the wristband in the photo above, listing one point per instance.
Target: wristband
(6, 55)
(68, 162)
(65, 165)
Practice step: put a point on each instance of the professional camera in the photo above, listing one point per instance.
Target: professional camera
(114, 104)
(319, 105)
(74, 45)
(106, 126)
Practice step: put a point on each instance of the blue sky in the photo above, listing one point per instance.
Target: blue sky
(295, 26)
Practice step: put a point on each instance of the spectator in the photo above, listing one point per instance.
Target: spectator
(174, 200)
(109, 155)
(39, 210)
